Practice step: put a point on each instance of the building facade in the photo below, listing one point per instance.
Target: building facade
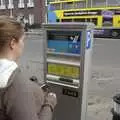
(29, 11)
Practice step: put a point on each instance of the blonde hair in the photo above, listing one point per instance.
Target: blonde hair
(9, 29)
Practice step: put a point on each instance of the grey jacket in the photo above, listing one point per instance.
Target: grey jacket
(23, 99)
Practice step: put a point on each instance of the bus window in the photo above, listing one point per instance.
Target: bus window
(88, 20)
(107, 21)
(94, 20)
(67, 5)
(56, 6)
(61, 0)
(98, 3)
(66, 20)
(79, 20)
(79, 4)
(50, 1)
(57, 20)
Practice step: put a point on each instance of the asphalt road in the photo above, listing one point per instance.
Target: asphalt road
(106, 52)
(105, 82)
(106, 65)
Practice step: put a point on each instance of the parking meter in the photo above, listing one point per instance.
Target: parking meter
(67, 67)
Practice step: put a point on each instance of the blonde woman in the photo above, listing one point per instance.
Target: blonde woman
(20, 99)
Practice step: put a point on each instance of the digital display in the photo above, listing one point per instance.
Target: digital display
(65, 42)
(67, 71)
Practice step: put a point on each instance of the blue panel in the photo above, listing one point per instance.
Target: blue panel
(59, 46)
(74, 47)
(63, 41)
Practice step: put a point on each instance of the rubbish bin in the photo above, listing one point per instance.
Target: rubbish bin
(116, 107)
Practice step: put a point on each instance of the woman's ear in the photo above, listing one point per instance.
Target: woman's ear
(12, 43)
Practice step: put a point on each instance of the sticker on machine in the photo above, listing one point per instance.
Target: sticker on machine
(88, 41)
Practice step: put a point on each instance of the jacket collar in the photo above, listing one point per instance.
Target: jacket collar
(7, 67)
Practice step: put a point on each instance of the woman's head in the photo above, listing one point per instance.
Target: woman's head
(11, 38)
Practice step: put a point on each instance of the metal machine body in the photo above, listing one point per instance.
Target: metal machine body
(67, 68)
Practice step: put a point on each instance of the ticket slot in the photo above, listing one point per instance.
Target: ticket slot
(66, 80)
(61, 84)
(59, 79)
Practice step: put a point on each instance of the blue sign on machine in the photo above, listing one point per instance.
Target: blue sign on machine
(74, 47)
(88, 42)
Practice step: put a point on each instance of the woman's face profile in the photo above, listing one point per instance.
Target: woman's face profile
(18, 47)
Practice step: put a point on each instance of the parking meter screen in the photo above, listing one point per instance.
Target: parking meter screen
(64, 42)
(66, 71)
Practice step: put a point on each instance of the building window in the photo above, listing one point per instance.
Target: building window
(98, 3)
(21, 4)
(10, 5)
(55, 6)
(2, 5)
(31, 19)
(30, 3)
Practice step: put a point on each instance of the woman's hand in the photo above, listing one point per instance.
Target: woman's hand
(51, 100)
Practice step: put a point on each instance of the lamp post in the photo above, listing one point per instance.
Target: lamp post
(91, 3)
(10, 7)
(106, 3)
(86, 5)
(46, 10)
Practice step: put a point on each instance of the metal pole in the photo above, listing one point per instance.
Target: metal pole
(106, 3)
(46, 10)
(91, 7)
(86, 3)
(91, 3)
(11, 7)
(11, 12)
